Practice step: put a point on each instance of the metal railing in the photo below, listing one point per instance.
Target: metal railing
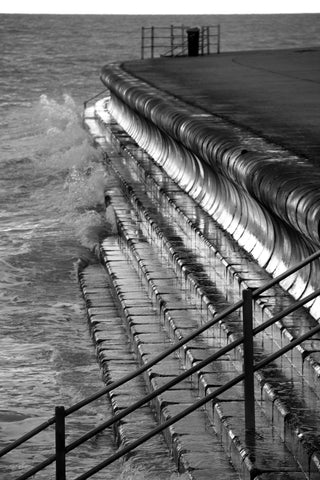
(85, 103)
(247, 376)
(176, 40)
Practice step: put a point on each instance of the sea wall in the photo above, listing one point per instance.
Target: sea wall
(269, 204)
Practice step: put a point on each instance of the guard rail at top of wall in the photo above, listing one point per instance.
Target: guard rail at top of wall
(180, 40)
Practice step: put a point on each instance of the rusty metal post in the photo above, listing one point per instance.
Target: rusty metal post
(248, 363)
(60, 444)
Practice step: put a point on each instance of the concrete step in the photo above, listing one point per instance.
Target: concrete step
(221, 372)
(194, 447)
(296, 435)
(222, 260)
(116, 359)
(233, 271)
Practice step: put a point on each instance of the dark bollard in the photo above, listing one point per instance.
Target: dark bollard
(193, 42)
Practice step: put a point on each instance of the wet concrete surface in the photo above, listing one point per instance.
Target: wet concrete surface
(274, 94)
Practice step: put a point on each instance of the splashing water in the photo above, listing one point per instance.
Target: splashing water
(70, 169)
(133, 472)
(54, 193)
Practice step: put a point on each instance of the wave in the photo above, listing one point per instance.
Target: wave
(65, 171)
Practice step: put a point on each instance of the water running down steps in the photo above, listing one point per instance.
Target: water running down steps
(141, 181)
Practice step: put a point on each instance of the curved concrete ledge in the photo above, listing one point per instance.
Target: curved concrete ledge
(270, 205)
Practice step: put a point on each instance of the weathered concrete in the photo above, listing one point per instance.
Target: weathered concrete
(273, 93)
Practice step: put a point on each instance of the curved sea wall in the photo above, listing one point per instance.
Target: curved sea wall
(270, 204)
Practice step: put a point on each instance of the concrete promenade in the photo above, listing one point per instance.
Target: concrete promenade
(274, 94)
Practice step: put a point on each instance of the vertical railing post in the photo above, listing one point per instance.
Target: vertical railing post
(208, 39)
(218, 41)
(182, 39)
(142, 43)
(152, 41)
(202, 40)
(248, 364)
(172, 40)
(60, 444)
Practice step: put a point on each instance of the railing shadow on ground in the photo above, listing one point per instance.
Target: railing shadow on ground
(246, 304)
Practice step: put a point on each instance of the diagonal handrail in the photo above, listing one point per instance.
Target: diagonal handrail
(197, 404)
(191, 370)
(85, 103)
(181, 377)
(162, 355)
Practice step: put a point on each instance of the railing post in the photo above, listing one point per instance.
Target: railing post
(208, 37)
(60, 444)
(182, 39)
(218, 40)
(202, 39)
(248, 365)
(171, 40)
(152, 41)
(142, 43)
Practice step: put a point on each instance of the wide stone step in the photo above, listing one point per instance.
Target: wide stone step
(117, 360)
(229, 264)
(232, 270)
(289, 369)
(170, 306)
(193, 444)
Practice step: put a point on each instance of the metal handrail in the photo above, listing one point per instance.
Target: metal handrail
(190, 371)
(85, 103)
(162, 355)
(178, 379)
(182, 47)
(120, 453)
(150, 39)
(172, 349)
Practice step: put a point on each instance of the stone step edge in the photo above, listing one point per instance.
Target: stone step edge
(293, 436)
(308, 363)
(120, 431)
(174, 441)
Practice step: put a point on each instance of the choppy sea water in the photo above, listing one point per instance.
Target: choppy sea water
(50, 183)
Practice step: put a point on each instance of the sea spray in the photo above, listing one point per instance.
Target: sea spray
(70, 170)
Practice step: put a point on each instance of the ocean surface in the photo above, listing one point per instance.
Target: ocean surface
(50, 183)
